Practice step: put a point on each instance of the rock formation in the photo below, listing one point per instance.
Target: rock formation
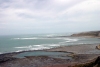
(98, 47)
(94, 63)
(91, 33)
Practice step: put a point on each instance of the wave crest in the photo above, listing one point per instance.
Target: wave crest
(25, 38)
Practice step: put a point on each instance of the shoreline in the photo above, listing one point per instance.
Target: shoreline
(81, 48)
(80, 54)
(78, 57)
(18, 51)
(49, 49)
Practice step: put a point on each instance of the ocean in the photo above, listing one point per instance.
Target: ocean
(17, 43)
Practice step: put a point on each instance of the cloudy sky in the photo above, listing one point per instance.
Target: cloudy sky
(48, 16)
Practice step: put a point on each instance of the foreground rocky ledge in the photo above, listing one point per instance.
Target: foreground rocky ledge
(93, 63)
(85, 55)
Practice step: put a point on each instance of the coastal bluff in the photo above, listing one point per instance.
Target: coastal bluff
(87, 34)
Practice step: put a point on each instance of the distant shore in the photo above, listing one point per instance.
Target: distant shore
(87, 34)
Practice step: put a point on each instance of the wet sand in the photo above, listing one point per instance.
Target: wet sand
(81, 54)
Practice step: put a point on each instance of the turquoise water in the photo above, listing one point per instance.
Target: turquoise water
(62, 55)
(36, 42)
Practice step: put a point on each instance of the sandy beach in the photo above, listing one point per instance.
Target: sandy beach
(80, 54)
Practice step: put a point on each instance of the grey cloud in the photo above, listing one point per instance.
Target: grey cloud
(26, 15)
(49, 15)
(5, 1)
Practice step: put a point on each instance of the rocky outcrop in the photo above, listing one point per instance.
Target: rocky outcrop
(94, 63)
(5, 59)
(91, 33)
(99, 34)
(98, 47)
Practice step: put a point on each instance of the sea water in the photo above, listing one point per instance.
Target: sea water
(62, 55)
(17, 43)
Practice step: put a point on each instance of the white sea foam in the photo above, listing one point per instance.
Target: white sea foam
(54, 45)
(18, 50)
(50, 35)
(53, 35)
(21, 47)
(37, 45)
(25, 38)
(70, 40)
(82, 43)
(30, 46)
(33, 38)
(41, 45)
(40, 48)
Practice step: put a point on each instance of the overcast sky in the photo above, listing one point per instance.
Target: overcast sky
(48, 16)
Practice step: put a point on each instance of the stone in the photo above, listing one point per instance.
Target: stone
(99, 34)
(98, 47)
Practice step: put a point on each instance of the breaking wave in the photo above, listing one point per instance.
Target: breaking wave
(37, 47)
(18, 50)
(30, 46)
(25, 38)
(54, 45)
(32, 38)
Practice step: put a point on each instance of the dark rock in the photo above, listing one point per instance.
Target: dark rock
(98, 47)
(94, 63)
(5, 59)
(97, 62)
(99, 34)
